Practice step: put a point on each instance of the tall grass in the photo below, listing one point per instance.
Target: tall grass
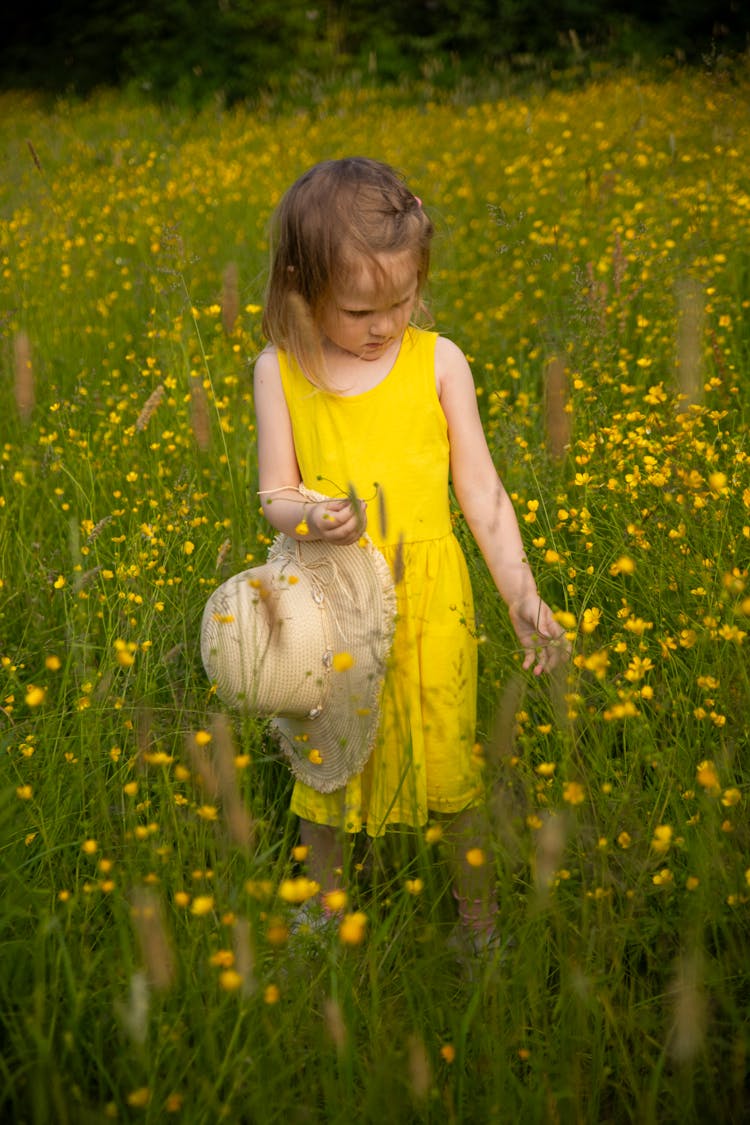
(592, 262)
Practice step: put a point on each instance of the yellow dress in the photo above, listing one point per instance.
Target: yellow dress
(390, 444)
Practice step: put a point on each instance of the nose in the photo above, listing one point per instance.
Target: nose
(380, 325)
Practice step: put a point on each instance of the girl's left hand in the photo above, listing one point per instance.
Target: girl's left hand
(543, 640)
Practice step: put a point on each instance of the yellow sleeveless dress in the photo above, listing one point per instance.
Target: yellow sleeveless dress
(391, 444)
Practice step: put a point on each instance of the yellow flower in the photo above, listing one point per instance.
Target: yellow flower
(334, 901)
(352, 928)
(731, 797)
(300, 853)
(230, 980)
(448, 1052)
(173, 1104)
(343, 661)
(574, 793)
(130, 788)
(691, 883)
(663, 878)
(53, 663)
(24, 792)
(475, 857)
(302, 528)
(623, 565)
(591, 620)
(434, 834)
(188, 547)
(208, 812)
(414, 886)
(662, 839)
(222, 958)
(707, 777)
(298, 890)
(624, 840)
(546, 769)
(202, 904)
(181, 898)
(34, 695)
(272, 995)
(315, 757)
(139, 1098)
(90, 847)
(202, 738)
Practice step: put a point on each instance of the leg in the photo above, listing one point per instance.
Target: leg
(474, 881)
(325, 857)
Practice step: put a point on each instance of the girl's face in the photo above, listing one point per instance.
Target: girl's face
(370, 312)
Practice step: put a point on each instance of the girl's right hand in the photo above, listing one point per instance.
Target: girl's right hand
(337, 521)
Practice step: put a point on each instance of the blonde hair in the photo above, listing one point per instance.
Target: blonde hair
(337, 213)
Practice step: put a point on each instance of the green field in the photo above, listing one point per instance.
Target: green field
(592, 260)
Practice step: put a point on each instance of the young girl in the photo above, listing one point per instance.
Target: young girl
(355, 402)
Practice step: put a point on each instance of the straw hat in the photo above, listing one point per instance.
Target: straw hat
(304, 640)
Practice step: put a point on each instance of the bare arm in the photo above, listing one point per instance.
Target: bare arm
(278, 472)
(489, 511)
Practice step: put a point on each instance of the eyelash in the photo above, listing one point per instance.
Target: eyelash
(359, 313)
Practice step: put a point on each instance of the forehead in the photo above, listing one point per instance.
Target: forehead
(369, 281)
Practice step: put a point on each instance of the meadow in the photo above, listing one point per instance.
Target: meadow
(592, 261)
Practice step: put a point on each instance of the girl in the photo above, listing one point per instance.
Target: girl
(355, 402)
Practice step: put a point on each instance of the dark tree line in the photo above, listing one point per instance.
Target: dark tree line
(192, 49)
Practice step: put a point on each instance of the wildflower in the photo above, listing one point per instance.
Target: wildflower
(315, 757)
(139, 1098)
(53, 663)
(663, 878)
(208, 812)
(89, 847)
(202, 738)
(130, 788)
(34, 695)
(624, 840)
(202, 904)
(222, 958)
(475, 857)
(334, 901)
(188, 547)
(433, 834)
(691, 883)
(173, 1104)
(272, 995)
(414, 886)
(277, 932)
(298, 890)
(546, 769)
(342, 661)
(302, 528)
(566, 619)
(352, 928)
(574, 793)
(623, 565)
(731, 797)
(591, 620)
(300, 853)
(24, 792)
(707, 777)
(662, 840)
(448, 1053)
(230, 980)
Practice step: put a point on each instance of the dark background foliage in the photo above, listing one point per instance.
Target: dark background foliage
(191, 50)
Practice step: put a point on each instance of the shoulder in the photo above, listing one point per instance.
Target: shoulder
(451, 367)
(267, 363)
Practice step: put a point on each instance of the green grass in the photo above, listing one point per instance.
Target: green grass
(605, 226)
